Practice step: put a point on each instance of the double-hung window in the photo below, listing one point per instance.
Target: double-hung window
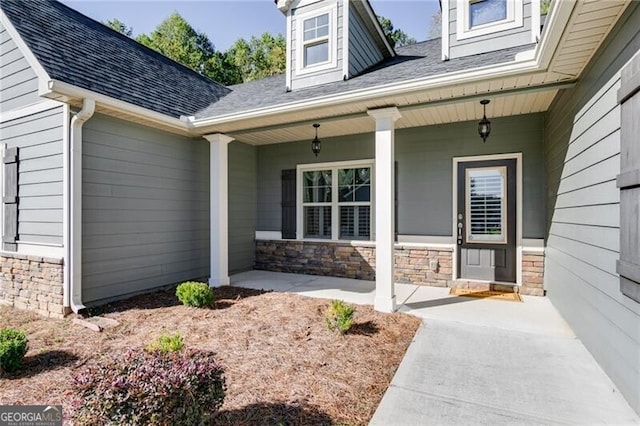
(316, 40)
(336, 201)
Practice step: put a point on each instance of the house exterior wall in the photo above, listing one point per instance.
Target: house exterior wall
(582, 149)
(486, 43)
(363, 51)
(18, 82)
(39, 138)
(145, 208)
(424, 161)
(242, 206)
(315, 78)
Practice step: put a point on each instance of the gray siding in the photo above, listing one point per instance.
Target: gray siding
(486, 43)
(424, 156)
(18, 82)
(145, 208)
(242, 206)
(40, 140)
(582, 149)
(363, 51)
(321, 76)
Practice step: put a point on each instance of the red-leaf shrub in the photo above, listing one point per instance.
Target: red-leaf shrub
(137, 387)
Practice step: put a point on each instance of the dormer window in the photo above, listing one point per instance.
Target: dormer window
(486, 11)
(480, 17)
(316, 39)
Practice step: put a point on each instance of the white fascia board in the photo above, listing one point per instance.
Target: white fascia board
(376, 24)
(24, 49)
(554, 27)
(56, 87)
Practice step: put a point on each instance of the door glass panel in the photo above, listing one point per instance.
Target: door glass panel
(486, 201)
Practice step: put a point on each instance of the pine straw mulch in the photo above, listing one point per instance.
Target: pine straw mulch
(282, 365)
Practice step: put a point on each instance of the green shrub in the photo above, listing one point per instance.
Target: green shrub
(13, 347)
(139, 387)
(195, 294)
(166, 343)
(339, 316)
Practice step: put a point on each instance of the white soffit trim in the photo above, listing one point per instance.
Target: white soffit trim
(56, 87)
(24, 49)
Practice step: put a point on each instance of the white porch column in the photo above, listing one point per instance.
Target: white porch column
(219, 208)
(385, 300)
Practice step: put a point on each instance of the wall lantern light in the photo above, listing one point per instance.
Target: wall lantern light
(315, 143)
(484, 126)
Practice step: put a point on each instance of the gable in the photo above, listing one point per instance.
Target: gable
(18, 81)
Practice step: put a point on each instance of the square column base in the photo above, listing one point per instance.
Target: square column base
(385, 304)
(219, 282)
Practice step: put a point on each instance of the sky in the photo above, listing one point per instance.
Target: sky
(224, 21)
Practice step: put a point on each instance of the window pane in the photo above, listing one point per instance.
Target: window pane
(309, 24)
(322, 31)
(355, 222)
(323, 20)
(316, 53)
(486, 205)
(486, 11)
(317, 186)
(309, 34)
(317, 222)
(354, 185)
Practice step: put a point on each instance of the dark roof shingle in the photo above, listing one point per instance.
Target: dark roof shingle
(80, 51)
(412, 62)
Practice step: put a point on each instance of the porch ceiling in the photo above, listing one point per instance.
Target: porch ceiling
(413, 112)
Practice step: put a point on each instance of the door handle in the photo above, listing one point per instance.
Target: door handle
(460, 225)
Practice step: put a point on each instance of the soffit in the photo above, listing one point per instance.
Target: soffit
(590, 23)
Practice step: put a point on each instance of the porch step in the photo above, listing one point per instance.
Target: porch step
(484, 286)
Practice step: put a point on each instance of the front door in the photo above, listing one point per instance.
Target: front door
(486, 220)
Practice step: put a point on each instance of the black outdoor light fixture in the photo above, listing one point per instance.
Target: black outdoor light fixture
(315, 143)
(484, 126)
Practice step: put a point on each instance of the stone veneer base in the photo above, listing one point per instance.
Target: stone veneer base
(32, 282)
(419, 265)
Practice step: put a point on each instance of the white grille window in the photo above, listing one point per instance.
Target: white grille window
(336, 201)
(486, 205)
(486, 11)
(316, 40)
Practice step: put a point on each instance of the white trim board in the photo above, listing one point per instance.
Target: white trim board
(518, 157)
(43, 105)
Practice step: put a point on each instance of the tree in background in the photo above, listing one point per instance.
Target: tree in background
(259, 57)
(119, 26)
(435, 26)
(396, 37)
(544, 6)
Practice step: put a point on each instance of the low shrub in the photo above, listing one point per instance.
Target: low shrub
(194, 294)
(339, 316)
(166, 343)
(139, 387)
(13, 347)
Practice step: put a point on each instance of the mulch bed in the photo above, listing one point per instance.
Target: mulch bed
(282, 365)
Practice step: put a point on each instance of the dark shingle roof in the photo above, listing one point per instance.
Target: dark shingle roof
(80, 51)
(413, 61)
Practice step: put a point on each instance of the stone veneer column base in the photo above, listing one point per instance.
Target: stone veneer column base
(532, 273)
(32, 282)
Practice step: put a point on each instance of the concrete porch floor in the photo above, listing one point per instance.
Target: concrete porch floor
(476, 361)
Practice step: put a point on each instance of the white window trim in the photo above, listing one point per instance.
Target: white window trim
(514, 20)
(335, 219)
(332, 10)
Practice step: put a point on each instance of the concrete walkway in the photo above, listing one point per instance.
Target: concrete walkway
(476, 361)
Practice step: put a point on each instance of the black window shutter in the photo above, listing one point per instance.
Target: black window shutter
(289, 204)
(10, 199)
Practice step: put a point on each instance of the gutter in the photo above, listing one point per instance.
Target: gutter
(536, 60)
(73, 238)
(55, 88)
